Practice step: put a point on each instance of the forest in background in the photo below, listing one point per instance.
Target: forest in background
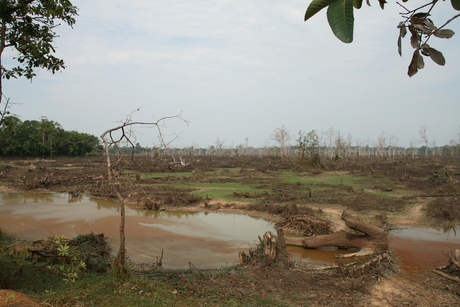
(47, 138)
(44, 138)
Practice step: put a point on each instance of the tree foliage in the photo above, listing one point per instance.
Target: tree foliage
(28, 27)
(307, 147)
(43, 138)
(307, 144)
(340, 16)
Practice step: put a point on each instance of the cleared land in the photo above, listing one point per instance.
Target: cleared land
(384, 192)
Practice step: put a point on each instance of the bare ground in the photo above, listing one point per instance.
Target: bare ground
(420, 182)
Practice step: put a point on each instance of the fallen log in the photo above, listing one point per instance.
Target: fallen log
(372, 240)
(449, 277)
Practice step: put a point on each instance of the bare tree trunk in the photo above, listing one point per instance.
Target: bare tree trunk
(424, 138)
(107, 156)
(119, 263)
(2, 47)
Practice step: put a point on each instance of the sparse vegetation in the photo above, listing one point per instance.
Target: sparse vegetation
(376, 190)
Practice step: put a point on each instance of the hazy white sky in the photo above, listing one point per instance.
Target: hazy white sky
(238, 69)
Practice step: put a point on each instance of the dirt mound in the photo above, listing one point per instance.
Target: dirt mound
(9, 298)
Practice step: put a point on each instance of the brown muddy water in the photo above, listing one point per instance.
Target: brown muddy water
(203, 239)
(419, 247)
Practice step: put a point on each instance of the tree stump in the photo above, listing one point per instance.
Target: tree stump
(271, 250)
(269, 246)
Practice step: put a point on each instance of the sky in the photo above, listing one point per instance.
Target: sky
(238, 69)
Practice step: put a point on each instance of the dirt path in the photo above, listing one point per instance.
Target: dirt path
(423, 289)
(413, 216)
(334, 214)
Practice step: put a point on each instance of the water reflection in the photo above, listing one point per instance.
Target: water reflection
(419, 247)
(206, 240)
(104, 203)
(447, 234)
(22, 198)
(319, 257)
(75, 199)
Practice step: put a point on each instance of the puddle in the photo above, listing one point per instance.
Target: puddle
(205, 240)
(418, 248)
(320, 256)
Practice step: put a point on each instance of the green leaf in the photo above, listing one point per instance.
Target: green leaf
(316, 6)
(341, 19)
(456, 4)
(358, 3)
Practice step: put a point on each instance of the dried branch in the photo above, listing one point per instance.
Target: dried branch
(109, 140)
(449, 277)
(127, 135)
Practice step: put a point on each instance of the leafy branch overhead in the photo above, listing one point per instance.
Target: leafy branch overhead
(341, 21)
(27, 27)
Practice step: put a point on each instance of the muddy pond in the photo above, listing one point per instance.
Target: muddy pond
(203, 239)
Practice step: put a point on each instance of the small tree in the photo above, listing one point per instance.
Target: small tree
(307, 144)
(126, 136)
(27, 26)
(301, 146)
(424, 138)
(76, 265)
(282, 136)
(219, 146)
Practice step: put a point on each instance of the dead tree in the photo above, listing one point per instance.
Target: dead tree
(424, 138)
(372, 240)
(282, 136)
(114, 179)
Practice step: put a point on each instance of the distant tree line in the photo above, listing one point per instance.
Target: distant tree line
(313, 145)
(44, 138)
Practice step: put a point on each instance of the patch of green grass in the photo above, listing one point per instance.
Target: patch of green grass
(161, 175)
(331, 179)
(156, 288)
(232, 170)
(223, 190)
(28, 277)
(358, 183)
(5, 239)
(107, 291)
